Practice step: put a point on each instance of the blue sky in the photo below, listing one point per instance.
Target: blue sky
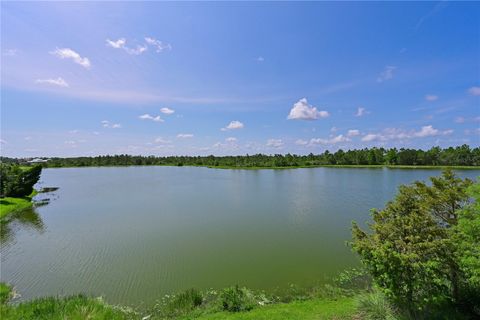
(234, 78)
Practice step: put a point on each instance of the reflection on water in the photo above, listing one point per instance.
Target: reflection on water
(25, 219)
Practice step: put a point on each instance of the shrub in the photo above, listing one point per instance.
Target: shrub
(236, 299)
(5, 292)
(187, 300)
(375, 306)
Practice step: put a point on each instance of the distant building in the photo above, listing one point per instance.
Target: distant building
(38, 160)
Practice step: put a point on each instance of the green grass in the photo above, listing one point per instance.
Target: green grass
(318, 309)
(72, 308)
(9, 205)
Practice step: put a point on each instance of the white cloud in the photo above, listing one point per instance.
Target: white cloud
(167, 111)
(398, 134)
(108, 124)
(426, 131)
(361, 112)
(159, 45)
(332, 140)
(301, 110)
(184, 135)
(301, 142)
(353, 133)
(474, 91)
(386, 74)
(231, 139)
(371, 137)
(431, 97)
(147, 116)
(459, 120)
(120, 43)
(333, 129)
(260, 59)
(67, 53)
(3, 141)
(233, 125)
(161, 140)
(56, 82)
(275, 143)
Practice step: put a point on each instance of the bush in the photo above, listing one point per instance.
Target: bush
(375, 306)
(236, 299)
(5, 292)
(187, 300)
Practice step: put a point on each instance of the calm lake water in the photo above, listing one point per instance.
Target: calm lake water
(133, 234)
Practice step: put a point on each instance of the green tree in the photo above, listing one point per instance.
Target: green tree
(405, 252)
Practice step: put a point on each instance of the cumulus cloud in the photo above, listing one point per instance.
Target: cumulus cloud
(275, 143)
(60, 82)
(353, 133)
(301, 142)
(108, 124)
(397, 134)
(301, 110)
(331, 140)
(474, 91)
(431, 97)
(167, 111)
(184, 135)
(386, 74)
(361, 112)
(67, 53)
(147, 116)
(157, 44)
(122, 44)
(233, 125)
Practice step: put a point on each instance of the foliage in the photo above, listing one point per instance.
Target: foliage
(235, 299)
(375, 306)
(458, 156)
(5, 292)
(15, 182)
(9, 205)
(414, 248)
(74, 307)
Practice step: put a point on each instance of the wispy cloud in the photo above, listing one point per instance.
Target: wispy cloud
(10, 52)
(275, 143)
(437, 8)
(431, 97)
(167, 110)
(260, 59)
(184, 135)
(108, 124)
(353, 133)
(231, 139)
(147, 116)
(386, 74)
(474, 91)
(301, 110)
(121, 44)
(157, 44)
(60, 82)
(361, 112)
(329, 141)
(233, 125)
(67, 53)
(397, 134)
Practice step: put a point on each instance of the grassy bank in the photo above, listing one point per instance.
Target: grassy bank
(321, 308)
(9, 205)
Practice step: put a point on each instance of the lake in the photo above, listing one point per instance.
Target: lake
(133, 234)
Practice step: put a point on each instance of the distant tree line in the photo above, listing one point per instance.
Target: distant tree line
(436, 156)
(16, 181)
